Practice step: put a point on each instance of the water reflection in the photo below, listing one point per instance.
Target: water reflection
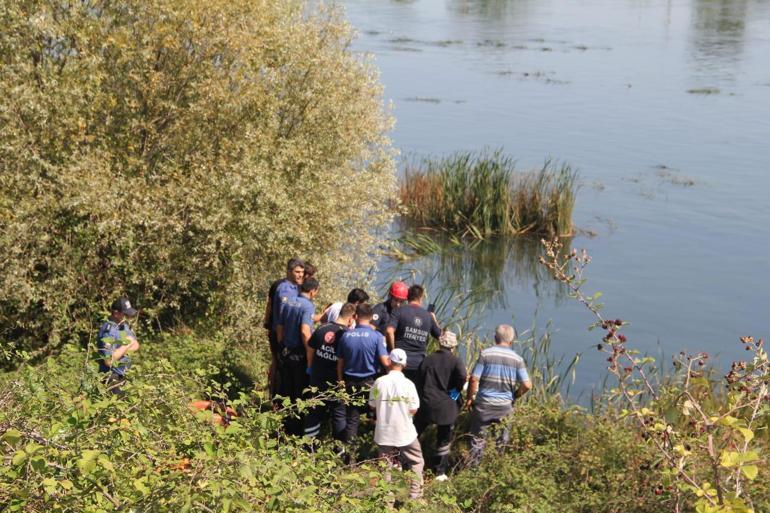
(718, 34)
(467, 277)
(492, 10)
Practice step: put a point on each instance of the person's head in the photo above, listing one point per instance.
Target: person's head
(310, 270)
(121, 309)
(505, 334)
(363, 313)
(415, 294)
(309, 287)
(357, 296)
(398, 293)
(347, 312)
(397, 359)
(295, 270)
(448, 340)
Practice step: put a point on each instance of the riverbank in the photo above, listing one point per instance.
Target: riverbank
(69, 447)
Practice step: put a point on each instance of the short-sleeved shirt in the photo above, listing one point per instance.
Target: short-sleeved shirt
(361, 349)
(499, 369)
(282, 293)
(393, 396)
(324, 341)
(111, 336)
(333, 312)
(295, 313)
(440, 372)
(381, 316)
(414, 325)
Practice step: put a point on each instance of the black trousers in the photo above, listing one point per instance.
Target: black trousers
(292, 381)
(440, 462)
(412, 375)
(357, 388)
(321, 414)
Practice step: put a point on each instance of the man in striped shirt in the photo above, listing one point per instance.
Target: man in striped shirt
(498, 378)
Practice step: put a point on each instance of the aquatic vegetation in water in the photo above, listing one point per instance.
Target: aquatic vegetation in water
(704, 90)
(423, 99)
(481, 194)
(493, 43)
(409, 40)
(405, 49)
(673, 177)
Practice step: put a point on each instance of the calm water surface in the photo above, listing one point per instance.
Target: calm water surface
(674, 180)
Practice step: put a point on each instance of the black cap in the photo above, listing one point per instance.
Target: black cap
(123, 306)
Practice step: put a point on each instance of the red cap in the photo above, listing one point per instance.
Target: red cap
(399, 290)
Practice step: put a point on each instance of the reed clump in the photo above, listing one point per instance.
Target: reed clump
(480, 194)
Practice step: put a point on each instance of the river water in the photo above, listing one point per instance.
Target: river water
(663, 106)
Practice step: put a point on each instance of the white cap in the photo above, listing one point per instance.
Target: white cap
(398, 356)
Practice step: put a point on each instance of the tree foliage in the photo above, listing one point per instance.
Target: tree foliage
(178, 151)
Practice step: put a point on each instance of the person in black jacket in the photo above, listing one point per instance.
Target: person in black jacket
(442, 377)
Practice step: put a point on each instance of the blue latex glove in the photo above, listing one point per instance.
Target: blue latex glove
(454, 394)
(307, 371)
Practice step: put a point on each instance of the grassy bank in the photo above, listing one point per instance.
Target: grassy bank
(68, 447)
(482, 194)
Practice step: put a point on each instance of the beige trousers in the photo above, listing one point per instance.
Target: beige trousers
(410, 458)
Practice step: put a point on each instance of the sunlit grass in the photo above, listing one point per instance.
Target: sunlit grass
(482, 194)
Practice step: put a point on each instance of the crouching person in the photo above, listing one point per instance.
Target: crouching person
(395, 400)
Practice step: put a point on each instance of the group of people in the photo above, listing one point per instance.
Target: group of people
(379, 354)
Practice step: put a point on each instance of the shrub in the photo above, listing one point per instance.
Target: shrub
(178, 151)
(560, 460)
(67, 446)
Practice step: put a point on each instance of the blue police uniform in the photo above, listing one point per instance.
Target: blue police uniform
(111, 336)
(292, 360)
(284, 292)
(361, 349)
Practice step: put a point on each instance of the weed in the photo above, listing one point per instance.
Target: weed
(478, 195)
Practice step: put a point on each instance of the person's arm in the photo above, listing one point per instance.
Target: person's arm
(382, 354)
(524, 384)
(340, 369)
(305, 333)
(390, 337)
(523, 388)
(279, 333)
(435, 329)
(268, 311)
(414, 402)
(121, 351)
(473, 385)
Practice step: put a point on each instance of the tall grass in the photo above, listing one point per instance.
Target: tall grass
(482, 194)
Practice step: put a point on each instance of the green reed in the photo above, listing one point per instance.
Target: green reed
(481, 194)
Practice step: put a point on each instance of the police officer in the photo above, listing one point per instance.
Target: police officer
(294, 329)
(281, 291)
(114, 342)
(409, 329)
(323, 373)
(381, 312)
(360, 353)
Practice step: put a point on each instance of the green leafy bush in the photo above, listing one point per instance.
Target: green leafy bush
(67, 446)
(179, 151)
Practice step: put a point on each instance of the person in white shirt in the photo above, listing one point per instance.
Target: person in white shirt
(395, 400)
